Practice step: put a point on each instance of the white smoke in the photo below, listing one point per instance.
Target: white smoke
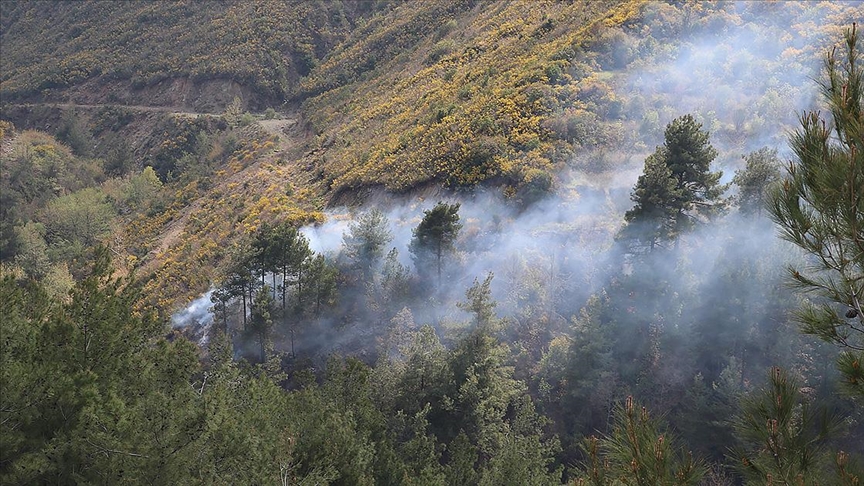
(739, 80)
(196, 318)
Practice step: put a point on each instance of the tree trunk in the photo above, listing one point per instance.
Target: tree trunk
(439, 265)
(299, 287)
(243, 294)
(284, 284)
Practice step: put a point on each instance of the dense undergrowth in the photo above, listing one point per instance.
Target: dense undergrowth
(266, 46)
(531, 114)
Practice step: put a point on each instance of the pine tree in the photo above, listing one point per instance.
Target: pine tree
(677, 187)
(365, 241)
(782, 439)
(320, 283)
(434, 237)
(392, 289)
(761, 170)
(637, 452)
(91, 392)
(820, 208)
(238, 280)
(221, 298)
(463, 457)
(261, 320)
(652, 218)
(479, 302)
(281, 249)
(688, 154)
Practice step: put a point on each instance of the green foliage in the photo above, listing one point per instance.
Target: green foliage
(782, 439)
(677, 186)
(434, 237)
(392, 288)
(524, 456)
(261, 320)
(762, 169)
(652, 217)
(321, 277)
(509, 95)
(479, 303)
(37, 168)
(688, 154)
(638, 451)
(142, 189)
(820, 208)
(365, 241)
(466, 113)
(463, 457)
(81, 217)
(267, 46)
(85, 364)
(74, 134)
(185, 148)
(58, 281)
(32, 255)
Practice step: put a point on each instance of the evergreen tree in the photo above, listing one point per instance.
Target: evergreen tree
(292, 252)
(320, 283)
(524, 456)
(74, 133)
(463, 457)
(782, 439)
(688, 154)
(106, 400)
(820, 208)
(677, 186)
(480, 303)
(24, 380)
(652, 218)
(221, 298)
(637, 452)
(366, 240)
(238, 280)
(261, 320)
(32, 253)
(482, 385)
(761, 170)
(264, 246)
(434, 237)
(393, 286)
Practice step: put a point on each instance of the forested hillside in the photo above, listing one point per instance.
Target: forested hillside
(355, 242)
(140, 53)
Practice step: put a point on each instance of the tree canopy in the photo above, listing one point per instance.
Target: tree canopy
(677, 186)
(820, 208)
(434, 237)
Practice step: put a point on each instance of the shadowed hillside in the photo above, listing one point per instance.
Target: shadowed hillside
(519, 242)
(185, 54)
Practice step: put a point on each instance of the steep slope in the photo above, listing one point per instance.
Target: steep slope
(187, 54)
(526, 98)
(509, 94)
(470, 101)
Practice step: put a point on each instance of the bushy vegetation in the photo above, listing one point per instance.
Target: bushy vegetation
(465, 115)
(265, 46)
(643, 364)
(510, 96)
